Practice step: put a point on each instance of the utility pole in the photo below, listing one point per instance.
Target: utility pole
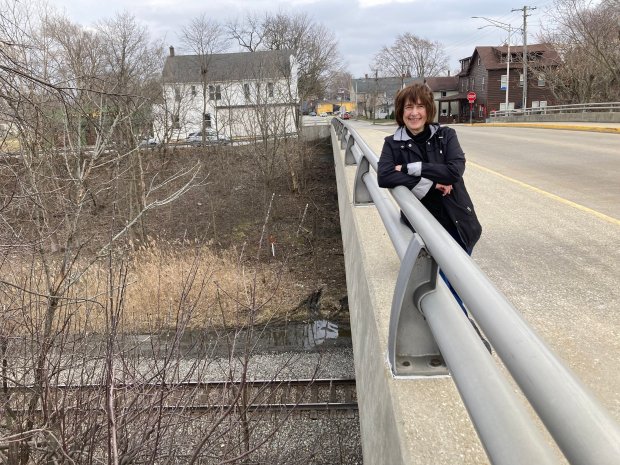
(525, 15)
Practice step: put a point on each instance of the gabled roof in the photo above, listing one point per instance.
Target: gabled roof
(228, 66)
(389, 85)
(443, 83)
(491, 56)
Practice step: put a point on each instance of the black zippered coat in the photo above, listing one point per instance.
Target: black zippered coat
(445, 165)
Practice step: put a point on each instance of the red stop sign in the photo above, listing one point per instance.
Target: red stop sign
(471, 97)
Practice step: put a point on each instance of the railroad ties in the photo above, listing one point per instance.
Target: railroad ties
(334, 397)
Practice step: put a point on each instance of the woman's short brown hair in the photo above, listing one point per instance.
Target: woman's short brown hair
(414, 93)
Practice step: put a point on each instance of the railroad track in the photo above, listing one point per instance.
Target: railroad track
(253, 395)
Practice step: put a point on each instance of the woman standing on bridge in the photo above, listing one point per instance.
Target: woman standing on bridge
(428, 159)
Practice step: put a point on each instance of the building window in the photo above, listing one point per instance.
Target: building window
(246, 91)
(177, 94)
(215, 93)
(270, 89)
(520, 79)
(541, 80)
(504, 82)
(482, 82)
(193, 91)
(207, 120)
(478, 61)
(473, 84)
(444, 93)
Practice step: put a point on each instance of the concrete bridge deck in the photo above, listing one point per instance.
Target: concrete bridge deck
(558, 264)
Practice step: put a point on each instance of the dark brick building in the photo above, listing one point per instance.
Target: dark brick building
(485, 74)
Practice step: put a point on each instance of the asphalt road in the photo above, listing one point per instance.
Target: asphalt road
(549, 203)
(581, 167)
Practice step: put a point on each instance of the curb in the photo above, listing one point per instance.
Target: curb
(567, 127)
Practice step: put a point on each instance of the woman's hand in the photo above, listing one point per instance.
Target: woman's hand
(445, 189)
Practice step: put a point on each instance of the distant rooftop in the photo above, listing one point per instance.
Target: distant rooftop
(228, 66)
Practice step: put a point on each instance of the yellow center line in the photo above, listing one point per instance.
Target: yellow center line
(602, 216)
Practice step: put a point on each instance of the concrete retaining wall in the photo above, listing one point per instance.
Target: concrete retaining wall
(410, 422)
(315, 132)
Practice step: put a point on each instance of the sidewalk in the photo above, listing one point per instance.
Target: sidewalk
(613, 128)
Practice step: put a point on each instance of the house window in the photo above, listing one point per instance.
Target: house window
(193, 91)
(520, 79)
(246, 91)
(541, 80)
(215, 93)
(473, 83)
(207, 120)
(478, 60)
(482, 82)
(177, 94)
(270, 89)
(444, 93)
(504, 82)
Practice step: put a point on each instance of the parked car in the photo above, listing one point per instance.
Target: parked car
(148, 142)
(211, 138)
(346, 116)
(323, 114)
(313, 113)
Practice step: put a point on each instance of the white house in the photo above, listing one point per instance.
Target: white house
(244, 95)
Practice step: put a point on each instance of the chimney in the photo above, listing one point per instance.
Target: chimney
(171, 51)
(448, 73)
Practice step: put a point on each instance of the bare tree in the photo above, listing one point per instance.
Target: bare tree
(49, 90)
(586, 34)
(411, 55)
(315, 47)
(204, 37)
(248, 33)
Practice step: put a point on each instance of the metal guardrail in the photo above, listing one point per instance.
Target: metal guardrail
(425, 317)
(557, 109)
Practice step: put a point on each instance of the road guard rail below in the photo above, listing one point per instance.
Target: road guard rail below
(429, 336)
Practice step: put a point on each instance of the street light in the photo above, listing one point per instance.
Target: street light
(506, 27)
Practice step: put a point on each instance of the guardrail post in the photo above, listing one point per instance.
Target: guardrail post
(349, 158)
(361, 195)
(412, 350)
(343, 138)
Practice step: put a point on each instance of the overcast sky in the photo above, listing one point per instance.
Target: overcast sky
(361, 27)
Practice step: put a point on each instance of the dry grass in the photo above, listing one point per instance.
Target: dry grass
(153, 288)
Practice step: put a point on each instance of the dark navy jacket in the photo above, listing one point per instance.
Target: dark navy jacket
(445, 165)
